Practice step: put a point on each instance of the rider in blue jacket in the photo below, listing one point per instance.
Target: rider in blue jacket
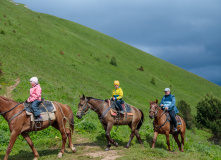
(168, 103)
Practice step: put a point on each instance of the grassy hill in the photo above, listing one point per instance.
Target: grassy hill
(70, 60)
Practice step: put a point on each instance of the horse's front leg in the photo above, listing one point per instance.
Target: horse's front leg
(107, 135)
(108, 142)
(154, 138)
(168, 140)
(30, 143)
(13, 138)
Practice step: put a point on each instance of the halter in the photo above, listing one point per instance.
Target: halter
(86, 103)
(156, 111)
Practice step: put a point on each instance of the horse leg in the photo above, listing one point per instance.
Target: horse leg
(30, 143)
(182, 140)
(138, 136)
(108, 142)
(168, 140)
(154, 139)
(133, 129)
(107, 134)
(63, 135)
(11, 144)
(68, 132)
(177, 140)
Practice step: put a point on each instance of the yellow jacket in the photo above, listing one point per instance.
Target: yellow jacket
(117, 93)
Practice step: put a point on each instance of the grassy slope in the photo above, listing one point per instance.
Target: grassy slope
(31, 47)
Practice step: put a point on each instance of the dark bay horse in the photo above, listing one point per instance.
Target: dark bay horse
(162, 126)
(102, 108)
(20, 123)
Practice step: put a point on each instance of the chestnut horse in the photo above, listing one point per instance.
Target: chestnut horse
(162, 126)
(20, 123)
(102, 108)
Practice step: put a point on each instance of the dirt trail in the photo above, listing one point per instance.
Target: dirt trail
(11, 88)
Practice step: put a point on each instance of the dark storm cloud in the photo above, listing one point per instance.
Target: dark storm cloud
(184, 33)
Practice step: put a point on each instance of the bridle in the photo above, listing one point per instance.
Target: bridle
(156, 111)
(85, 106)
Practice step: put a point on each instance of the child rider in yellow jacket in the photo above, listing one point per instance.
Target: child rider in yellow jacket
(117, 95)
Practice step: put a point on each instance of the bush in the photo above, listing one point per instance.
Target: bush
(153, 80)
(185, 112)
(209, 115)
(113, 61)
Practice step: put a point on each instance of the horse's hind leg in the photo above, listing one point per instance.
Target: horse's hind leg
(30, 143)
(182, 140)
(68, 132)
(177, 140)
(138, 136)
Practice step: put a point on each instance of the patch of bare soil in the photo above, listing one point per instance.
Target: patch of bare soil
(11, 88)
(105, 155)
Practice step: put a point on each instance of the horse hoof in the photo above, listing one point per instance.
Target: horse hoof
(126, 147)
(106, 149)
(60, 155)
(74, 150)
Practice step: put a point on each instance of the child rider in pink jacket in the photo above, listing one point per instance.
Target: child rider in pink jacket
(35, 98)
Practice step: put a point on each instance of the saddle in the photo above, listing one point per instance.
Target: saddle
(178, 119)
(115, 109)
(46, 109)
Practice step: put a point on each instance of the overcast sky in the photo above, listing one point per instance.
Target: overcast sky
(186, 33)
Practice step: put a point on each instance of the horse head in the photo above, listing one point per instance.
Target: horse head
(153, 109)
(83, 107)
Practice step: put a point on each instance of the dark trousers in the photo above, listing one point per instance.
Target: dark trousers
(172, 116)
(119, 102)
(35, 108)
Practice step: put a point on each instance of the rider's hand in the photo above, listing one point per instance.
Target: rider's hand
(161, 105)
(113, 98)
(166, 108)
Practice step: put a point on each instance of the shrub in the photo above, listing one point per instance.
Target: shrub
(98, 59)
(153, 80)
(2, 32)
(209, 114)
(113, 61)
(141, 68)
(185, 112)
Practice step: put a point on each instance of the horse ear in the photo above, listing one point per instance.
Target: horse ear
(150, 102)
(83, 96)
(156, 101)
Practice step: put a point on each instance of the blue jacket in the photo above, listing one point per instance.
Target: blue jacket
(169, 101)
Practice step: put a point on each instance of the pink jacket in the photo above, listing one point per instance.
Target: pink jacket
(35, 93)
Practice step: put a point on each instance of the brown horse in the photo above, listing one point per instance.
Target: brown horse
(20, 123)
(162, 125)
(102, 108)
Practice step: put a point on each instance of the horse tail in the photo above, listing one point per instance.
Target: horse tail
(141, 120)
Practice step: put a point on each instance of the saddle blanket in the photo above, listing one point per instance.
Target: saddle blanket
(114, 113)
(178, 119)
(46, 109)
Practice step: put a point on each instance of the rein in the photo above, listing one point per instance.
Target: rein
(90, 108)
(155, 115)
(11, 108)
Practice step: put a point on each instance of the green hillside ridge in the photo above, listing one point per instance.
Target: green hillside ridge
(70, 60)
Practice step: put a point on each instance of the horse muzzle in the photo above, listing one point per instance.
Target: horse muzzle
(151, 116)
(79, 115)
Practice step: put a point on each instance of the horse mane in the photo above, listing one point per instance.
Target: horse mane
(97, 99)
(6, 99)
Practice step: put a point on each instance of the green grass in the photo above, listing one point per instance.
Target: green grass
(30, 45)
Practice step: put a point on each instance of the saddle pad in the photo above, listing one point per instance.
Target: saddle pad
(44, 115)
(114, 113)
(48, 104)
(178, 119)
(126, 107)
